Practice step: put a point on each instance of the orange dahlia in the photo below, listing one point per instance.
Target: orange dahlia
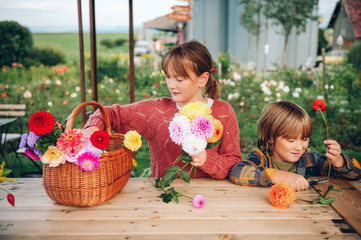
(218, 130)
(281, 195)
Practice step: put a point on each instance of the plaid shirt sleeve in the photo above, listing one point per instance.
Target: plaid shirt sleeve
(350, 171)
(252, 171)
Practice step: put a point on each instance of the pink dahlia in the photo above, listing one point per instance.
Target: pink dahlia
(202, 127)
(198, 201)
(71, 141)
(88, 162)
(179, 128)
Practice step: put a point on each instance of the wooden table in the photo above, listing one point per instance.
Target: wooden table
(230, 212)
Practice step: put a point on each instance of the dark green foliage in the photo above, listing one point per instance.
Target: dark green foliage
(107, 43)
(354, 56)
(109, 67)
(15, 43)
(120, 42)
(46, 56)
(322, 42)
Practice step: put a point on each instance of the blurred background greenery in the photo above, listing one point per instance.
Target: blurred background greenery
(56, 88)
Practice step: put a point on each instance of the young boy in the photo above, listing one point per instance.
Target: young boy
(284, 129)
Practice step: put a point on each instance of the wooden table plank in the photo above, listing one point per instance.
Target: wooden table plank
(231, 212)
(168, 226)
(347, 202)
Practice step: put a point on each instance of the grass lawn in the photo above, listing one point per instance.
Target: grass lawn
(69, 43)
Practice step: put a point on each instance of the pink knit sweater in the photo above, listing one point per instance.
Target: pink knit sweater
(151, 118)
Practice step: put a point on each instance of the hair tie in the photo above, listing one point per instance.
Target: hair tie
(213, 69)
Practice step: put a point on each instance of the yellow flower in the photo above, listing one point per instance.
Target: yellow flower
(135, 164)
(218, 130)
(132, 140)
(195, 109)
(53, 156)
(1, 174)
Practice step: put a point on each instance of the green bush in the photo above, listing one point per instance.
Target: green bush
(15, 43)
(111, 67)
(354, 56)
(107, 43)
(120, 42)
(46, 56)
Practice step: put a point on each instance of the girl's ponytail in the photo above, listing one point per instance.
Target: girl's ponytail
(211, 88)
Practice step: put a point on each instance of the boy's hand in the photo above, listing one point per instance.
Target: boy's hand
(296, 181)
(333, 153)
(198, 160)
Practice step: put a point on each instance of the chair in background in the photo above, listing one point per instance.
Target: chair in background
(11, 115)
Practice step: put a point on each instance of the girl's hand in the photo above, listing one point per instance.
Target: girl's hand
(296, 181)
(198, 160)
(333, 153)
(89, 131)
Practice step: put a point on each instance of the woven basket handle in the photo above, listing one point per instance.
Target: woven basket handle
(70, 122)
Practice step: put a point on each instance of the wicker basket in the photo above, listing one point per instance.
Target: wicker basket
(67, 184)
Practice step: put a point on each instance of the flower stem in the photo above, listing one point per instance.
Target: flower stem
(325, 123)
(4, 189)
(327, 137)
(328, 190)
(187, 196)
(304, 200)
(185, 165)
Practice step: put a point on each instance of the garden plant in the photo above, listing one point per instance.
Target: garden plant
(56, 89)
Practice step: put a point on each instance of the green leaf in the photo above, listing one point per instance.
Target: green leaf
(173, 169)
(157, 183)
(211, 145)
(166, 197)
(326, 201)
(185, 176)
(179, 158)
(169, 177)
(6, 172)
(175, 198)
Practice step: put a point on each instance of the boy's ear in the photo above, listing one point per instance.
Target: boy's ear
(203, 79)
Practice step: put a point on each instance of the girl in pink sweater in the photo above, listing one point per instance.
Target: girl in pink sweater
(188, 69)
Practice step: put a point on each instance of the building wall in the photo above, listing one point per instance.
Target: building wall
(216, 23)
(343, 27)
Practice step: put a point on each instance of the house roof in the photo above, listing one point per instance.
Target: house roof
(162, 23)
(353, 11)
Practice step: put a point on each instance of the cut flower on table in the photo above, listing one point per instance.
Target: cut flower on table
(281, 195)
(10, 197)
(195, 130)
(50, 143)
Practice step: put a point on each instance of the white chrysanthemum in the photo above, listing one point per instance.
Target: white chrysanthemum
(179, 128)
(90, 148)
(193, 145)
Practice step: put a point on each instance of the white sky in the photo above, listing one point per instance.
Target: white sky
(62, 14)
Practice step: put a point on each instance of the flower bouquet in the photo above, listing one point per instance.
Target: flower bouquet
(80, 170)
(195, 129)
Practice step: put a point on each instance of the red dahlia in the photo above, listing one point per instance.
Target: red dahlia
(319, 105)
(41, 123)
(100, 139)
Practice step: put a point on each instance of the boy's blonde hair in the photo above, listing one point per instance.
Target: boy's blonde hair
(285, 119)
(190, 57)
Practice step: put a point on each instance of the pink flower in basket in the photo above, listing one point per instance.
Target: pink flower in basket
(71, 141)
(88, 162)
